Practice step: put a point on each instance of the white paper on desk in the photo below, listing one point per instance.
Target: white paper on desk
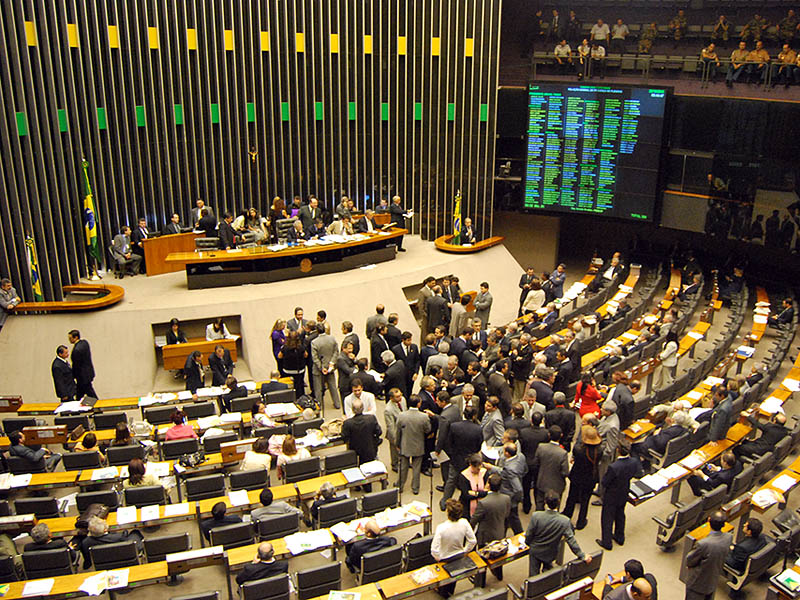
(126, 514)
(38, 587)
(174, 510)
(74, 406)
(655, 481)
(150, 400)
(626, 288)
(239, 498)
(250, 386)
(159, 469)
(306, 541)
(166, 396)
(208, 422)
(762, 303)
(692, 461)
(784, 483)
(761, 310)
(697, 411)
(373, 467)
(696, 335)
(772, 405)
(760, 319)
(712, 381)
(20, 480)
(117, 579)
(674, 471)
(695, 394)
(96, 584)
(277, 409)
(185, 395)
(791, 384)
(615, 342)
(490, 452)
(629, 336)
(234, 417)
(746, 351)
(352, 475)
(106, 473)
(150, 513)
(344, 531)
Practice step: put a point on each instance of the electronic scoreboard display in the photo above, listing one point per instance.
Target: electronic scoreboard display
(594, 149)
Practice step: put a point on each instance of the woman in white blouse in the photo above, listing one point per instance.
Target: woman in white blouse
(535, 298)
(258, 457)
(290, 453)
(668, 357)
(217, 330)
(454, 536)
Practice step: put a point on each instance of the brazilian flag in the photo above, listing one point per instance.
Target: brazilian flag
(33, 265)
(89, 214)
(457, 219)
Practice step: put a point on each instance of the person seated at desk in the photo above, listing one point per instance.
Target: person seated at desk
(218, 519)
(180, 429)
(218, 331)
(316, 231)
(221, 365)
(257, 457)
(259, 416)
(366, 224)
(89, 444)
(372, 541)
(271, 507)
(606, 274)
(638, 589)
(383, 207)
(174, 225)
(43, 540)
(9, 297)
(467, 232)
(633, 570)
(343, 226)
(753, 541)
(290, 453)
(325, 495)
(256, 224)
(175, 334)
(615, 314)
(98, 534)
(208, 224)
(193, 371)
(692, 289)
(296, 234)
(772, 432)
(226, 233)
(138, 475)
(122, 436)
(264, 565)
(657, 441)
(18, 448)
(232, 390)
(784, 317)
(711, 476)
(123, 253)
(137, 235)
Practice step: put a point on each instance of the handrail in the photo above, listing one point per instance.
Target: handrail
(112, 295)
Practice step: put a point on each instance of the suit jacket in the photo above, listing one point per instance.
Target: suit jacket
(492, 428)
(395, 377)
(345, 366)
(608, 429)
(705, 562)
(458, 346)
(294, 325)
(498, 386)
(465, 438)
(361, 547)
(742, 551)
(564, 418)
(623, 397)
(362, 225)
(209, 225)
(193, 374)
(437, 312)
(412, 428)
(551, 466)
(82, 367)
(425, 292)
(523, 281)
(226, 235)
(529, 439)
(409, 355)
(467, 235)
(373, 322)
(196, 214)
(450, 414)
(516, 423)
(171, 228)
(220, 367)
(362, 434)
(353, 337)
(544, 395)
(720, 420)
(617, 480)
(323, 352)
(63, 380)
(208, 524)
(262, 570)
(137, 235)
(292, 235)
(544, 532)
(393, 335)
(120, 246)
(563, 376)
(398, 215)
(377, 345)
(558, 279)
(489, 518)
(658, 442)
(367, 381)
(771, 434)
(390, 414)
(308, 215)
(467, 357)
(424, 354)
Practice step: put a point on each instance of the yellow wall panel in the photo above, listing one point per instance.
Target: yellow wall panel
(113, 36)
(402, 43)
(191, 39)
(334, 43)
(300, 42)
(469, 47)
(30, 32)
(72, 35)
(367, 44)
(265, 41)
(152, 35)
(229, 39)
(436, 46)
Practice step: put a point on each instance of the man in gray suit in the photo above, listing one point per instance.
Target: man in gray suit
(394, 407)
(123, 252)
(609, 431)
(309, 213)
(544, 533)
(513, 467)
(551, 466)
(324, 351)
(706, 560)
(412, 429)
(492, 423)
(489, 518)
(438, 360)
(425, 292)
(451, 412)
(437, 311)
(483, 304)
(639, 589)
(377, 319)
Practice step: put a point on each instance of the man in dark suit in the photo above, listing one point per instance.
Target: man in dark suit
(219, 517)
(137, 235)
(226, 233)
(395, 373)
(517, 418)
(263, 566)
(529, 440)
(193, 371)
(525, 283)
(377, 346)
(551, 466)
(408, 353)
(657, 442)
(712, 476)
(350, 336)
(221, 365)
(362, 434)
(393, 333)
(309, 213)
(633, 570)
(564, 372)
(123, 253)
(474, 375)
(772, 432)
(489, 518)
(43, 540)
(366, 224)
(545, 530)
(692, 288)
(428, 350)
(436, 309)
(367, 381)
(82, 367)
(563, 417)
(470, 355)
(174, 225)
(784, 317)
(616, 487)
(63, 379)
(451, 413)
(497, 385)
(543, 378)
(197, 211)
(373, 540)
(464, 439)
(398, 216)
(705, 562)
(208, 223)
(753, 541)
(296, 323)
(467, 232)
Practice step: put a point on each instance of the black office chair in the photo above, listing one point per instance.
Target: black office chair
(272, 527)
(108, 498)
(205, 486)
(280, 397)
(43, 508)
(247, 240)
(176, 448)
(145, 495)
(156, 548)
(232, 536)
(673, 528)
(244, 405)
(301, 469)
(577, 569)
(20, 466)
(17, 424)
(713, 499)
(73, 421)
(109, 420)
(253, 479)
(477, 593)
(741, 483)
(418, 552)
(114, 556)
(8, 571)
(757, 564)
(299, 428)
(5, 508)
(214, 595)
(375, 502)
(538, 586)
(340, 461)
(380, 564)
(199, 409)
(75, 461)
(267, 432)
(158, 415)
(318, 581)
(271, 588)
(335, 512)
(40, 564)
(206, 243)
(211, 443)
(118, 456)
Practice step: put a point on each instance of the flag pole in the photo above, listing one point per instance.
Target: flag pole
(90, 220)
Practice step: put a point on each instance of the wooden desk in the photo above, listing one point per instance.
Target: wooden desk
(175, 355)
(65, 526)
(639, 429)
(688, 341)
(220, 268)
(444, 244)
(595, 356)
(156, 250)
(403, 585)
(367, 592)
(103, 295)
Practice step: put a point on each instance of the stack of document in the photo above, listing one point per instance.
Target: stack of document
(353, 474)
(674, 471)
(159, 469)
(312, 438)
(307, 541)
(175, 510)
(712, 381)
(791, 384)
(629, 336)
(772, 405)
(655, 481)
(348, 531)
(696, 335)
(185, 395)
(74, 406)
(784, 483)
(204, 423)
(765, 498)
(209, 392)
(233, 417)
(96, 584)
(106, 473)
(38, 587)
(695, 394)
(693, 461)
(278, 409)
(18, 481)
(374, 467)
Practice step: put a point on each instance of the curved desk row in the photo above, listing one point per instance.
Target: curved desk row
(102, 295)
(219, 268)
(443, 243)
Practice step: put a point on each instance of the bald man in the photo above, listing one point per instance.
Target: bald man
(264, 565)
(640, 589)
(373, 540)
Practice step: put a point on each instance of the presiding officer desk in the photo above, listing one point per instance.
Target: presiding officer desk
(219, 268)
(156, 250)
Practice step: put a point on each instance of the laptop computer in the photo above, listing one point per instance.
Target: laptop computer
(458, 564)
